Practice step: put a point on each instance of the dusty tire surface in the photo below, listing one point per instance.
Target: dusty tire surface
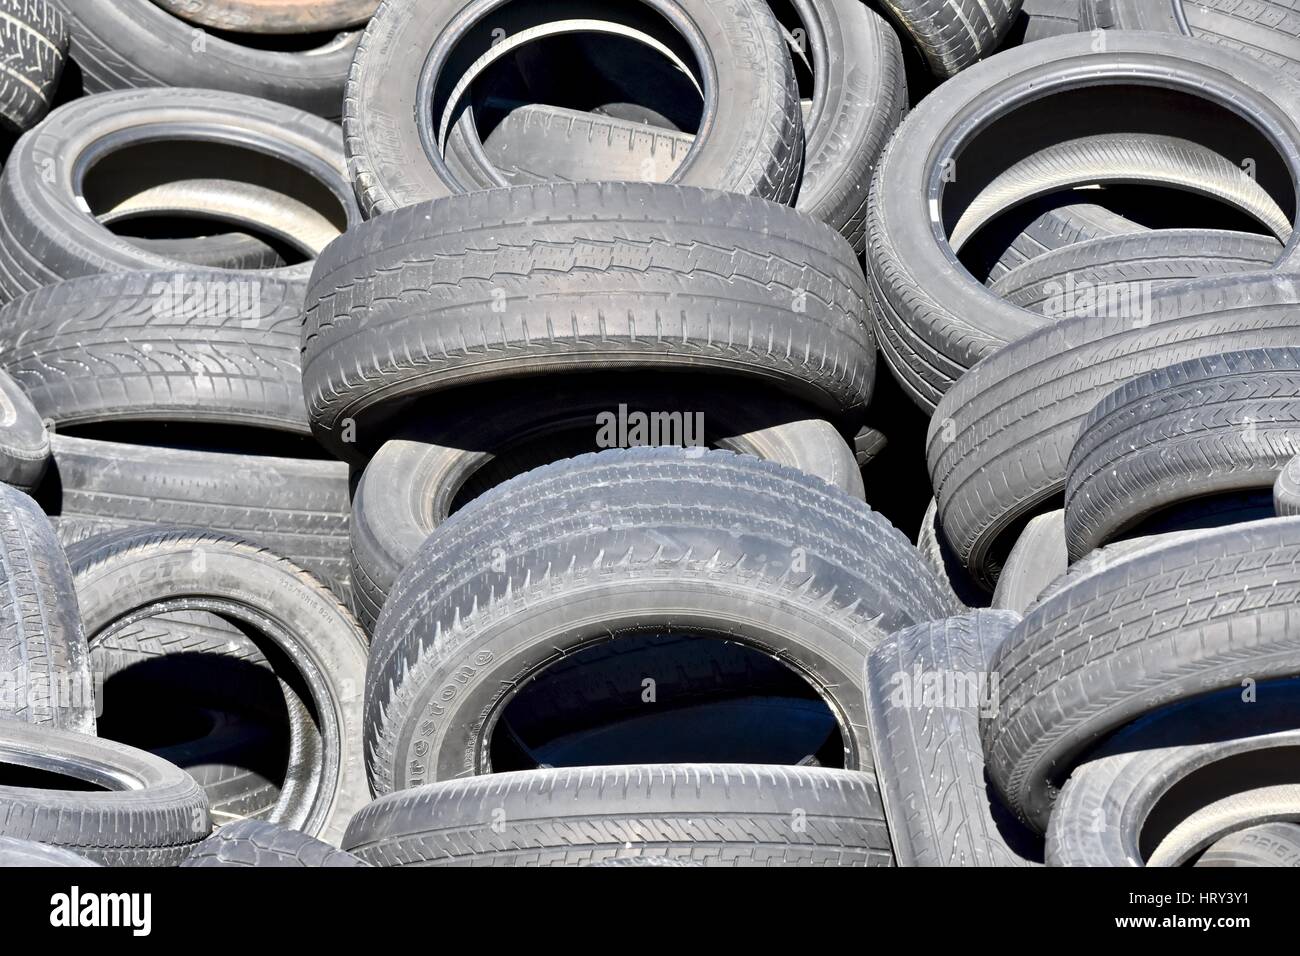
(693, 812)
(659, 505)
(585, 277)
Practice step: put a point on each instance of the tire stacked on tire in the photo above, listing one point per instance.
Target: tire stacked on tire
(555, 360)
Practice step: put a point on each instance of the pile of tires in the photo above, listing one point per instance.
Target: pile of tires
(649, 433)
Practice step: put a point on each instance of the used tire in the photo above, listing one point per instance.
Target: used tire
(411, 485)
(849, 582)
(45, 675)
(297, 508)
(394, 148)
(133, 44)
(99, 152)
(272, 16)
(933, 319)
(1273, 844)
(225, 251)
(194, 673)
(26, 854)
(859, 97)
(127, 347)
(953, 34)
(121, 577)
(1036, 560)
(580, 277)
(1161, 791)
(34, 43)
(1266, 30)
(1058, 225)
(148, 812)
(24, 442)
(1207, 427)
(1094, 657)
(1075, 278)
(1000, 440)
(927, 687)
(713, 814)
(251, 843)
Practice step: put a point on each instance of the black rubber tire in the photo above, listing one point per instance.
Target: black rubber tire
(932, 318)
(1286, 490)
(1266, 30)
(296, 508)
(231, 250)
(757, 150)
(149, 812)
(24, 442)
(1040, 19)
(580, 277)
(1036, 560)
(954, 34)
(938, 554)
(859, 98)
(133, 44)
(1163, 790)
(410, 486)
(251, 843)
(1210, 426)
(1150, 629)
(110, 348)
(1273, 844)
(33, 48)
(273, 16)
(124, 576)
(711, 814)
(1000, 439)
(1056, 227)
(941, 810)
(45, 675)
(1071, 279)
(50, 231)
(26, 854)
(829, 562)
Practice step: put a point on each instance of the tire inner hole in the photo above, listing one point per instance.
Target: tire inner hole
(151, 193)
(666, 697)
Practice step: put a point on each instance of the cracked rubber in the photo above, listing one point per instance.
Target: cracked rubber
(710, 814)
(580, 277)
